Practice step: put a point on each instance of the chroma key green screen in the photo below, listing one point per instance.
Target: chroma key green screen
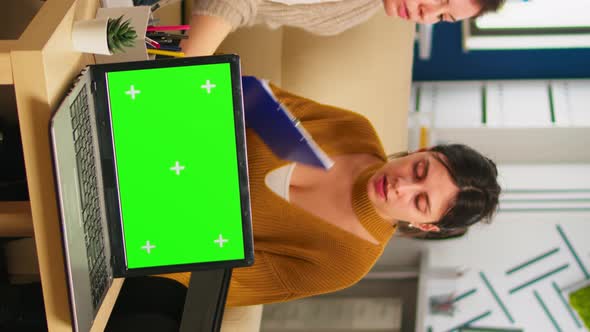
(176, 164)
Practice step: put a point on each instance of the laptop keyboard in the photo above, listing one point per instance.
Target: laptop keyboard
(91, 217)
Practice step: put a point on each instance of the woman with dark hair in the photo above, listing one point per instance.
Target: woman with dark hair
(318, 231)
(213, 20)
(477, 200)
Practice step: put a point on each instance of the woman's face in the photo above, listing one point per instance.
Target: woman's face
(431, 11)
(416, 188)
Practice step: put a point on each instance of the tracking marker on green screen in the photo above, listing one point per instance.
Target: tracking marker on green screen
(180, 193)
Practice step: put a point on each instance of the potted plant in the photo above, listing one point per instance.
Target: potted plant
(120, 34)
(580, 302)
(578, 297)
(103, 35)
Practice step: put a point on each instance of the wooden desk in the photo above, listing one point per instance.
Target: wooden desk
(41, 66)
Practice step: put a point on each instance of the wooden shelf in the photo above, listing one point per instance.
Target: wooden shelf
(15, 219)
(43, 52)
(5, 66)
(41, 65)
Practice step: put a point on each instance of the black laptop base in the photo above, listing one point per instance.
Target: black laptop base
(205, 300)
(157, 304)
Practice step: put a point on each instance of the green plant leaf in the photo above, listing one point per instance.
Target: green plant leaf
(580, 301)
(120, 34)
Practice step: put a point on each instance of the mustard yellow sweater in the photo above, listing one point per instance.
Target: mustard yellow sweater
(296, 253)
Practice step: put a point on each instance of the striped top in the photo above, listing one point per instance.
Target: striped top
(322, 18)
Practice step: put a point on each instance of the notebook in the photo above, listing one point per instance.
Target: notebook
(278, 128)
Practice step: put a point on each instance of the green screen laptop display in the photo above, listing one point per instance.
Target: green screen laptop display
(176, 165)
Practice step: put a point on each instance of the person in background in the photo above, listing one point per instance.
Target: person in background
(213, 20)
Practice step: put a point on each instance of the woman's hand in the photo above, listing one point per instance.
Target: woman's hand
(205, 35)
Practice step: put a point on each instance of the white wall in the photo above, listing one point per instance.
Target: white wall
(534, 14)
(511, 239)
(403, 252)
(493, 250)
(524, 121)
(545, 176)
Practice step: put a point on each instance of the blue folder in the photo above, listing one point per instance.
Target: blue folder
(277, 127)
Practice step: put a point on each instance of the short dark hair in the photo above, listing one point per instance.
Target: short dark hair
(476, 177)
(489, 6)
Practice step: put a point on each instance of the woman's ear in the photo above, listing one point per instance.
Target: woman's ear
(428, 227)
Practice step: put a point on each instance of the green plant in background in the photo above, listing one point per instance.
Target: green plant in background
(580, 301)
(120, 34)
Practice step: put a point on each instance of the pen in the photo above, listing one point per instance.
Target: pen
(424, 139)
(153, 21)
(168, 53)
(165, 41)
(155, 7)
(166, 48)
(160, 34)
(176, 36)
(152, 42)
(168, 27)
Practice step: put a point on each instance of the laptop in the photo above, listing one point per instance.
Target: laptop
(151, 174)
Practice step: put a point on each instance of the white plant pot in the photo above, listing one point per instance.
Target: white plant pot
(138, 17)
(90, 36)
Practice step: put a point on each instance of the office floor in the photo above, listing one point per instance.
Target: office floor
(403, 289)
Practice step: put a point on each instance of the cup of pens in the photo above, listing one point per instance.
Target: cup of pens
(162, 40)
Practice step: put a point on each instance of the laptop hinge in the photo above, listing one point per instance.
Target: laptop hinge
(205, 300)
